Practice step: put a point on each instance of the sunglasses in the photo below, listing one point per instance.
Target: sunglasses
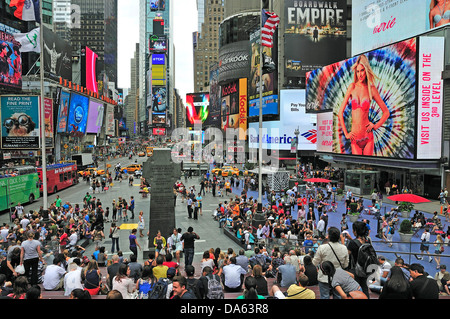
(10, 122)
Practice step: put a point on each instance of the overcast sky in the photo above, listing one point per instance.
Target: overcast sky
(185, 22)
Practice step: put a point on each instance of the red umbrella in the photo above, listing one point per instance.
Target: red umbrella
(410, 198)
(317, 180)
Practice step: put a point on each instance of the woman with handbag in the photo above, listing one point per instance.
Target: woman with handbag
(176, 244)
(114, 235)
(160, 243)
(141, 223)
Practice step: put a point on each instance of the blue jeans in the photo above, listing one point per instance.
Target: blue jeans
(188, 256)
(324, 289)
(115, 244)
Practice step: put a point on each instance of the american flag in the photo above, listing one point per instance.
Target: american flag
(270, 22)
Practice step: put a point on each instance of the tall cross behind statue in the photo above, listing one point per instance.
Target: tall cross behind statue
(161, 172)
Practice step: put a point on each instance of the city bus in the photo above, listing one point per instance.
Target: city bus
(18, 184)
(59, 176)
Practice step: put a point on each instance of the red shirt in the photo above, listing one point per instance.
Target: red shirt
(170, 264)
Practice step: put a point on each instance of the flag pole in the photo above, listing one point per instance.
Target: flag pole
(42, 112)
(260, 190)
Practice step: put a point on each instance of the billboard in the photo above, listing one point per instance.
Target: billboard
(63, 112)
(197, 108)
(430, 97)
(158, 75)
(20, 122)
(95, 119)
(372, 99)
(48, 122)
(89, 69)
(377, 23)
(158, 119)
(315, 35)
(157, 5)
(243, 108)
(159, 131)
(159, 99)
(10, 60)
(234, 61)
(57, 56)
(280, 135)
(110, 124)
(78, 114)
(158, 43)
(269, 80)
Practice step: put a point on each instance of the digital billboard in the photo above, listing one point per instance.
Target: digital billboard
(214, 96)
(10, 60)
(20, 122)
(157, 5)
(78, 114)
(372, 99)
(63, 112)
(159, 99)
(379, 23)
(110, 123)
(269, 80)
(197, 108)
(159, 131)
(89, 69)
(315, 35)
(95, 119)
(158, 75)
(279, 135)
(158, 119)
(158, 43)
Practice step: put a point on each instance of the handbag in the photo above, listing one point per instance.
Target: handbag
(110, 235)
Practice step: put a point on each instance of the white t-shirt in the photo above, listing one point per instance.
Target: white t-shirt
(52, 276)
(72, 280)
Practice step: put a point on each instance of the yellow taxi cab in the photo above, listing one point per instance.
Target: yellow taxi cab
(90, 171)
(131, 168)
(141, 154)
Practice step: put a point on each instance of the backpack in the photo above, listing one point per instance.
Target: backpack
(392, 230)
(215, 290)
(159, 290)
(192, 286)
(367, 256)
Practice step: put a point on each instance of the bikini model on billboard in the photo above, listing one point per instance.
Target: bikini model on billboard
(439, 13)
(361, 92)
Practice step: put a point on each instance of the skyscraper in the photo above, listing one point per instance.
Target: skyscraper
(206, 50)
(98, 31)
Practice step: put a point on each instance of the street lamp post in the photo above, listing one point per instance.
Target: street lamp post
(297, 133)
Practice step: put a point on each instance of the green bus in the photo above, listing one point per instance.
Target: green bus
(19, 184)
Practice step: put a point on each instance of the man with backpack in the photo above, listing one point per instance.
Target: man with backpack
(363, 257)
(193, 284)
(211, 286)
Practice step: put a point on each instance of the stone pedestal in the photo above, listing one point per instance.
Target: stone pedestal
(161, 172)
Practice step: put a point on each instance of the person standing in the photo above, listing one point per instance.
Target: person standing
(189, 207)
(131, 207)
(160, 244)
(133, 242)
(188, 239)
(425, 244)
(30, 255)
(141, 223)
(114, 235)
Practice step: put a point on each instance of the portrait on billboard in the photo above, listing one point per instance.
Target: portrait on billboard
(57, 56)
(20, 121)
(372, 98)
(159, 99)
(63, 112)
(10, 62)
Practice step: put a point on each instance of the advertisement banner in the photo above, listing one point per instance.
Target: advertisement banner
(197, 108)
(373, 100)
(243, 106)
(57, 56)
(157, 5)
(234, 61)
(95, 119)
(78, 114)
(89, 69)
(48, 122)
(20, 122)
(315, 34)
(159, 131)
(379, 23)
(158, 75)
(63, 112)
(430, 97)
(10, 59)
(269, 80)
(158, 43)
(280, 135)
(159, 99)
(110, 124)
(325, 132)
(158, 119)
